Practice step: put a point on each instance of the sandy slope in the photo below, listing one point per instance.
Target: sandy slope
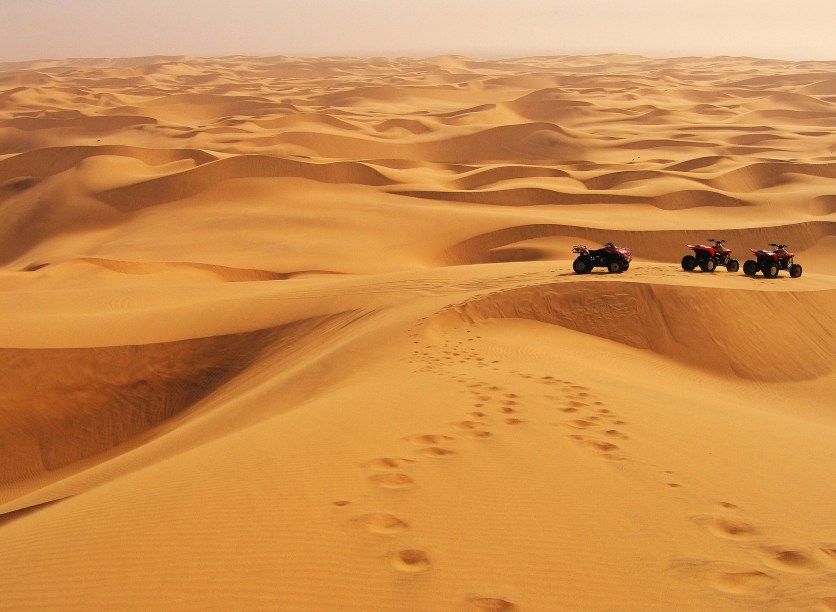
(302, 334)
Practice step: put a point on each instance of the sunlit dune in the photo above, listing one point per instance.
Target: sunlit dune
(304, 334)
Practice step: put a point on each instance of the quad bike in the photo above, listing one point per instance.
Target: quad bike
(614, 258)
(770, 262)
(709, 257)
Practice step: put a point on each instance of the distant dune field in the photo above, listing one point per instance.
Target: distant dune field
(303, 334)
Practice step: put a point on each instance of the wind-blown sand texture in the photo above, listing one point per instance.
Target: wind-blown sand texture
(303, 334)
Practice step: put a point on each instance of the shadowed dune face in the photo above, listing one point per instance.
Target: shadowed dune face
(688, 324)
(63, 405)
(287, 333)
(655, 245)
(59, 406)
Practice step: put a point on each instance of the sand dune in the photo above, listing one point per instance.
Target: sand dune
(762, 175)
(52, 160)
(202, 178)
(87, 124)
(303, 334)
(88, 400)
(758, 346)
(664, 245)
(483, 177)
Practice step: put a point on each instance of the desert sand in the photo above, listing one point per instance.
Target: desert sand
(303, 334)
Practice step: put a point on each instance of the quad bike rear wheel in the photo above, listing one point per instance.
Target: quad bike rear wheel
(770, 270)
(708, 265)
(750, 267)
(614, 267)
(795, 270)
(582, 265)
(689, 262)
(733, 265)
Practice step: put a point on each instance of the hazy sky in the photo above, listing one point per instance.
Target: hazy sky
(790, 29)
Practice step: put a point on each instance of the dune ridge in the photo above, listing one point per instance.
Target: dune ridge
(222, 272)
(191, 182)
(662, 318)
(303, 334)
(53, 160)
(659, 245)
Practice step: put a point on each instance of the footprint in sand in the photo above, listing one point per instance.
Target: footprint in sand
(479, 434)
(438, 452)
(429, 439)
(607, 450)
(604, 447)
(381, 522)
(581, 423)
(670, 479)
(411, 560)
(789, 559)
(725, 505)
(393, 481)
(490, 604)
(469, 425)
(388, 463)
(742, 581)
(726, 527)
(473, 429)
(727, 577)
(615, 434)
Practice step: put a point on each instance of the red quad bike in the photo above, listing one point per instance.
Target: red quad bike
(770, 262)
(709, 257)
(614, 258)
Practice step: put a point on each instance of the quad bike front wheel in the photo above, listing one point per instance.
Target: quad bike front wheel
(770, 270)
(582, 265)
(750, 267)
(689, 262)
(733, 265)
(708, 265)
(614, 267)
(795, 270)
